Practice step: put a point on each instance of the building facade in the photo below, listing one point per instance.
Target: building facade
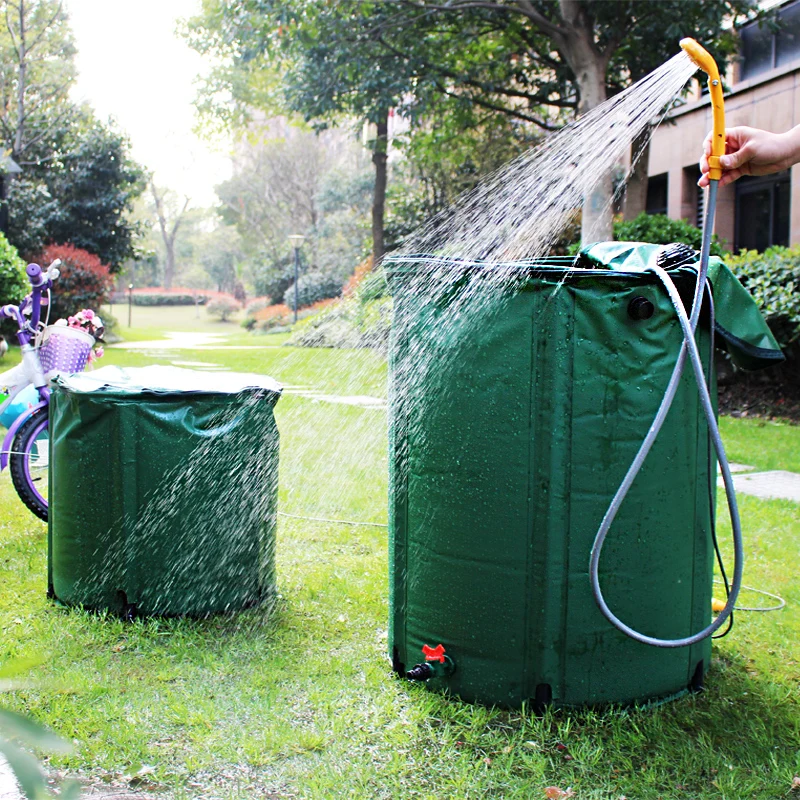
(752, 213)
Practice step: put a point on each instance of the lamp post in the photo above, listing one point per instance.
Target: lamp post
(296, 240)
(130, 302)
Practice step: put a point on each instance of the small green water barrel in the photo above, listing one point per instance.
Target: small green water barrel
(163, 491)
(516, 407)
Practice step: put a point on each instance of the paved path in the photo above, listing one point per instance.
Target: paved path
(191, 340)
(8, 784)
(774, 485)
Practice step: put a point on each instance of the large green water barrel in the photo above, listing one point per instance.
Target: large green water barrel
(163, 491)
(516, 407)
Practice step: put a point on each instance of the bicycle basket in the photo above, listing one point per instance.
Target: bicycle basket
(65, 349)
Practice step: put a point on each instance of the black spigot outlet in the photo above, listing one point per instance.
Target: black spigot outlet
(420, 672)
(640, 308)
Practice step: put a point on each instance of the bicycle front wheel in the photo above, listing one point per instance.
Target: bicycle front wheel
(28, 462)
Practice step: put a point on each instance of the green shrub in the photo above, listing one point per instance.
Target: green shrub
(773, 279)
(349, 322)
(311, 288)
(13, 282)
(222, 307)
(251, 309)
(660, 229)
(373, 287)
(85, 282)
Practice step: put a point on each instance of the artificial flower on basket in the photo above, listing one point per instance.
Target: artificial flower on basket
(88, 322)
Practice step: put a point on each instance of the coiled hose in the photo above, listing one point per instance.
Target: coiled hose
(688, 347)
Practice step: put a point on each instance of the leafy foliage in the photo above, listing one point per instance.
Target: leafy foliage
(291, 181)
(271, 317)
(77, 181)
(85, 282)
(13, 282)
(660, 229)
(474, 81)
(92, 190)
(18, 731)
(312, 287)
(773, 279)
(37, 69)
(25, 767)
(361, 318)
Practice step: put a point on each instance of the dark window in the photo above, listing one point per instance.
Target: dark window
(771, 44)
(656, 202)
(762, 212)
(788, 37)
(757, 55)
(693, 199)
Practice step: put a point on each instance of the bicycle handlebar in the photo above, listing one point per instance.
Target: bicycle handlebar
(41, 281)
(34, 274)
(39, 278)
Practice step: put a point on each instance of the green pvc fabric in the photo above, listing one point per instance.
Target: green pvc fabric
(512, 423)
(739, 323)
(163, 491)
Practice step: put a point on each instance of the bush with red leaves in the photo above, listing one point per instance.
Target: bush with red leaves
(85, 282)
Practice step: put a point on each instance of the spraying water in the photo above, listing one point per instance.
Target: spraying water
(510, 221)
(520, 210)
(517, 213)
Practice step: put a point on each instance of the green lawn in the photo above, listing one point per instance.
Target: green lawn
(150, 321)
(301, 702)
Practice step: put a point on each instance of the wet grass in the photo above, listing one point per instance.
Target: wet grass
(300, 701)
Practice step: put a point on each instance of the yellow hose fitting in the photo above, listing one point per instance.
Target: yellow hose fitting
(703, 59)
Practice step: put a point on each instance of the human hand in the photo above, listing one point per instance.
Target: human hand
(750, 151)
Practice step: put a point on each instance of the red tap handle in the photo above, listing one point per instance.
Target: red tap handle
(434, 653)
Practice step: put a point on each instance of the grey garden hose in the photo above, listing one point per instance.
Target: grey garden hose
(689, 346)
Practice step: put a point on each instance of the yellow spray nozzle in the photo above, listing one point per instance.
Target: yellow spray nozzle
(703, 59)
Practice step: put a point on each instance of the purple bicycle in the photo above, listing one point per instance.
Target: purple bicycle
(46, 350)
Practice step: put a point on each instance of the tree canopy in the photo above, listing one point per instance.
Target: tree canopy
(78, 181)
(464, 62)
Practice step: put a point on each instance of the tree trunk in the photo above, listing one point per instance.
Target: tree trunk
(379, 159)
(22, 67)
(597, 220)
(589, 66)
(636, 190)
(168, 235)
(169, 264)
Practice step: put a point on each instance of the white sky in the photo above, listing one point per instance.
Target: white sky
(134, 68)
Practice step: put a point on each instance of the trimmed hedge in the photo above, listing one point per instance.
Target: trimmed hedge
(160, 299)
(660, 229)
(773, 279)
(656, 229)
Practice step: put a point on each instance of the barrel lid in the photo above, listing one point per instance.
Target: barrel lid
(160, 379)
(739, 321)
